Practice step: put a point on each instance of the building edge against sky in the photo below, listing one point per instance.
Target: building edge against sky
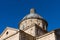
(31, 27)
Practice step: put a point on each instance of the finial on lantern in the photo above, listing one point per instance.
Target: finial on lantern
(32, 10)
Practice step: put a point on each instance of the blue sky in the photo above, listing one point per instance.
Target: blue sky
(12, 11)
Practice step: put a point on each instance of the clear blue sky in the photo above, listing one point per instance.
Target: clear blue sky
(12, 11)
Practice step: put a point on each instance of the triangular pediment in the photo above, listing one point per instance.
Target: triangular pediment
(7, 32)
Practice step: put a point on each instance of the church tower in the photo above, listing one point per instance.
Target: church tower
(33, 24)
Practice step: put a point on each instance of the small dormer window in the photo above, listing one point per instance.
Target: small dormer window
(7, 33)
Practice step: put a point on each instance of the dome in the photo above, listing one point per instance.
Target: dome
(32, 15)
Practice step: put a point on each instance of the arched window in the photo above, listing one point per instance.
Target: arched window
(7, 33)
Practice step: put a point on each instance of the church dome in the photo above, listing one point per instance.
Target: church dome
(32, 15)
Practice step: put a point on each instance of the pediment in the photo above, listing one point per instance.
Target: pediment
(7, 32)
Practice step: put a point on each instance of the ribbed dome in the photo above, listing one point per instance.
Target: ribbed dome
(32, 15)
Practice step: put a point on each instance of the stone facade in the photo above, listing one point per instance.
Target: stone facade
(31, 27)
(48, 36)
